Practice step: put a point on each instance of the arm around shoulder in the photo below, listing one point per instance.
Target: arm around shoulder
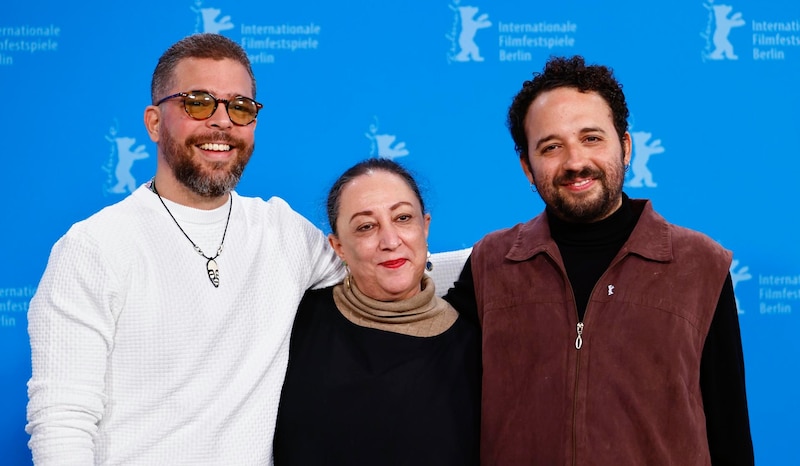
(323, 265)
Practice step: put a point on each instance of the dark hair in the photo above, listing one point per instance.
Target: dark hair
(204, 45)
(362, 168)
(566, 72)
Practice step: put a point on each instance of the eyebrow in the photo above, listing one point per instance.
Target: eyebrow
(370, 212)
(588, 129)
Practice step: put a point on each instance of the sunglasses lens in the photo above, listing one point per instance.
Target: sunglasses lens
(199, 105)
(242, 110)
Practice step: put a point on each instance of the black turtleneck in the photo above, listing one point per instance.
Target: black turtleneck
(588, 248)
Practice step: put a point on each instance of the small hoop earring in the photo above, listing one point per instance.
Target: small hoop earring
(347, 276)
(533, 188)
(428, 263)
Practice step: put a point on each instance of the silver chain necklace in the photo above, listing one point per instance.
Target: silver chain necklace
(211, 266)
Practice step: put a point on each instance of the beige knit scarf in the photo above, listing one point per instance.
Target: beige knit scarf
(422, 315)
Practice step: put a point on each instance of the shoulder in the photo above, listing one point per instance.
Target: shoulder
(688, 241)
(274, 213)
(532, 228)
(312, 297)
(274, 206)
(315, 304)
(656, 238)
(521, 241)
(121, 219)
(500, 237)
(681, 234)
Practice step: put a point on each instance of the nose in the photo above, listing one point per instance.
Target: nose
(575, 158)
(220, 119)
(390, 240)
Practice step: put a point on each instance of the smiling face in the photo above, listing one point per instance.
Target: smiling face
(575, 157)
(202, 159)
(382, 235)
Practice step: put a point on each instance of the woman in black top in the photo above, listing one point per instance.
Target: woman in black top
(381, 371)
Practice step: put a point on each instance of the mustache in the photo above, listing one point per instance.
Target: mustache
(219, 137)
(586, 172)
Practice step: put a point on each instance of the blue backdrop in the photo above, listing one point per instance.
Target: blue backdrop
(712, 88)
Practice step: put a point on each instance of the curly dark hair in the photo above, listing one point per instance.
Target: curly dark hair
(566, 72)
(362, 168)
(202, 45)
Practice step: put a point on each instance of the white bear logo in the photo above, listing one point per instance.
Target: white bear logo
(468, 49)
(642, 150)
(125, 157)
(207, 19)
(723, 23)
(383, 145)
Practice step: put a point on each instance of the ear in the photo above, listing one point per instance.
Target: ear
(626, 148)
(526, 168)
(336, 245)
(152, 121)
(427, 224)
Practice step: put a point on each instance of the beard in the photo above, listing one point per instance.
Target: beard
(214, 180)
(585, 207)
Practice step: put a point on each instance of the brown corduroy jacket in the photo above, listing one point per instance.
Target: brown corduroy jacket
(630, 395)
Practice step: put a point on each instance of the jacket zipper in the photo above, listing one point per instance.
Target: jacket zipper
(578, 344)
(579, 340)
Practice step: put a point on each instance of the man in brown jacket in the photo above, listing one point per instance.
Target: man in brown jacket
(610, 336)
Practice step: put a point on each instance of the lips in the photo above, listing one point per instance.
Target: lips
(579, 181)
(214, 142)
(580, 185)
(393, 264)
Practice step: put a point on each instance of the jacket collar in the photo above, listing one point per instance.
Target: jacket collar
(650, 239)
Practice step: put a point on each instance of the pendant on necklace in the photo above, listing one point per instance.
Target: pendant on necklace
(213, 272)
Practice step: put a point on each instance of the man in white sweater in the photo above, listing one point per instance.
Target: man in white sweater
(160, 329)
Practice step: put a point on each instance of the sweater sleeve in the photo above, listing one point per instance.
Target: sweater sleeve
(722, 383)
(322, 267)
(328, 269)
(71, 328)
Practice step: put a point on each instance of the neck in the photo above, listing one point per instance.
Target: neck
(614, 227)
(170, 188)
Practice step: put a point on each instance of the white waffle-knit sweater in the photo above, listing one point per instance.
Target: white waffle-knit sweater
(139, 360)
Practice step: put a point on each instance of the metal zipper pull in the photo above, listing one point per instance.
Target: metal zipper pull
(579, 340)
